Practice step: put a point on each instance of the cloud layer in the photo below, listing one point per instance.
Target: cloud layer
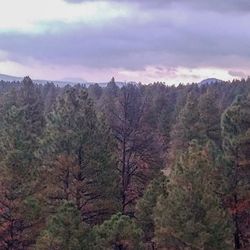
(135, 38)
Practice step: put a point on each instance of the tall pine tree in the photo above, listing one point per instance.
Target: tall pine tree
(236, 144)
(191, 215)
(21, 128)
(80, 159)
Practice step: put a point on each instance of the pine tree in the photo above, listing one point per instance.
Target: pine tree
(136, 149)
(64, 230)
(236, 144)
(210, 117)
(49, 94)
(21, 128)
(81, 160)
(120, 232)
(186, 128)
(145, 208)
(191, 216)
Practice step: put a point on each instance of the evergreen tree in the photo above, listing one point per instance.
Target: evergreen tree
(63, 176)
(186, 128)
(49, 94)
(236, 144)
(191, 216)
(145, 208)
(95, 91)
(81, 161)
(137, 150)
(118, 233)
(210, 117)
(21, 128)
(65, 230)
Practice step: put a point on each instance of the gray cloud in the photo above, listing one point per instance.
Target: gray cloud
(173, 34)
(77, 1)
(237, 74)
(215, 5)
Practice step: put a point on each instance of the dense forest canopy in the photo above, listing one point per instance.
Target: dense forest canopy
(132, 167)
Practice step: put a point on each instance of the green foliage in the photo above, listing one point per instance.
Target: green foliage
(191, 215)
(236, 144)
(22, 125)
(120, 232)
(210, 117)
(186, 128)
(146, 205)
(32, 208)
(64, 176)
(189, 119)
(236, 137)
(21, 128)
(78, 147)
(235, 125)
(71, 122)
(64, 230)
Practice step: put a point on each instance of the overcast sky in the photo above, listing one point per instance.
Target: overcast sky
(138, 40)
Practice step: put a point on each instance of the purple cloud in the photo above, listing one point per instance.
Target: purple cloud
(76, 1)
(215, 5)
(237, 74)
(177, 33)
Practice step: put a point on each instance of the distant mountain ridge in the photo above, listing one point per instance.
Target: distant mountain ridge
(9, 78)
(72, 81)
(209, 81)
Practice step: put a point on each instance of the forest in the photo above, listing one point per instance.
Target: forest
(125, 167)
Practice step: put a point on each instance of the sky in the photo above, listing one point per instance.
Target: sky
(173, 41)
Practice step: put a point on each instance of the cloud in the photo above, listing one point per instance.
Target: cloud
(35, 16)
(173, 75)
(131, 36)
(214, 5)
(76, 1)
(81, 1)
(238, 74)
(176, 37)
(3, 55)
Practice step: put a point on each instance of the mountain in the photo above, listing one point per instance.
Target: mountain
(9, 78)
(66, 81)
(209, 81)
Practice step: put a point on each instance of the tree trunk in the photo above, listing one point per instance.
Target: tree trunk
(237, 233)
(237, 243)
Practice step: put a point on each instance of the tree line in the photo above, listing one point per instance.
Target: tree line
(131, 167)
